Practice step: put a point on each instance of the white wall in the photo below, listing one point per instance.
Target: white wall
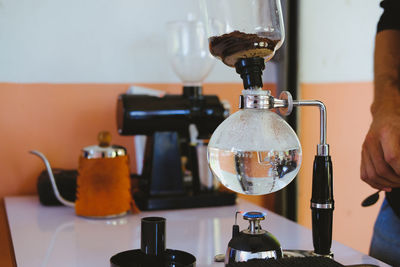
(98, 41)
(337, 40)
(336, 67)
(124, 40)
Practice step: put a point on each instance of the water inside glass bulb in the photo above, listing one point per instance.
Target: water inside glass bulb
(254, 152)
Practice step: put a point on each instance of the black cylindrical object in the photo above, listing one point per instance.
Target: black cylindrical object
(153, 236)
(250, 70)
(192, 91)
(65, 180)
(322, 230)
(152, 252)
(322, 205)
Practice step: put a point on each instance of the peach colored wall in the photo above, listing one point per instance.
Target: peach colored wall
(55, 119)
(60, 119)
(348, 121)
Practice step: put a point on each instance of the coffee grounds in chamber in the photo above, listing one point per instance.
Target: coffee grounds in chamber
(232, 46)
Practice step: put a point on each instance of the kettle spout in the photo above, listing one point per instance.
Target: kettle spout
(52, 180)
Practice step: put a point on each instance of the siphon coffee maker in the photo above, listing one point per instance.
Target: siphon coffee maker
(254, 151)
(178, 127)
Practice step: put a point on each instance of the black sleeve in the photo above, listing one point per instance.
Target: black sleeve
(390, 19)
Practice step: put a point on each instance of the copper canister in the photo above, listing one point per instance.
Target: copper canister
(104, 186)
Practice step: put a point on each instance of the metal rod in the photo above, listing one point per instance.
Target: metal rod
(323, 147)
(252, 227)
(237, 212)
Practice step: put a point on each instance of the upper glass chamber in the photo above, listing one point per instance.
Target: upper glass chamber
(239, 29)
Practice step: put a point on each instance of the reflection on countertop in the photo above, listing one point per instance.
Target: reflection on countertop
(55, 236)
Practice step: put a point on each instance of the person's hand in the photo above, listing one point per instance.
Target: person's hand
(380, 158)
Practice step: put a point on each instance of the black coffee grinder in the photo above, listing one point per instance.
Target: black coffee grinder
(175, 172)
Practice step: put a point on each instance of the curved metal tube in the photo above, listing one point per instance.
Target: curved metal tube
(322, 111)
(53, 181)
(322, 147)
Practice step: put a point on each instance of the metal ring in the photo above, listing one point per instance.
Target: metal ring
(321, 206)
(287, 108)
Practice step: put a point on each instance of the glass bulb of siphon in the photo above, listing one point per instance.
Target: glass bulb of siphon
(254, 152)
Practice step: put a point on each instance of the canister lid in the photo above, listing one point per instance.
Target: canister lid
(254, 215)
(103, 149)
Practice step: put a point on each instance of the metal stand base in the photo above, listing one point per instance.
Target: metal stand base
(288, 253)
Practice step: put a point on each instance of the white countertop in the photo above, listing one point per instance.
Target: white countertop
(55, 236)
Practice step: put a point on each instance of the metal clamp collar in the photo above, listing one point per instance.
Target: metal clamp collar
(256, 102)
(262, 99)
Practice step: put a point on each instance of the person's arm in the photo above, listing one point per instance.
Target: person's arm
(380, 163)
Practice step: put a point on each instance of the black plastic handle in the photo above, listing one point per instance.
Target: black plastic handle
(322, 205)
(153, 236)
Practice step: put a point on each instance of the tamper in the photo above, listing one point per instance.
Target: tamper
(152, 251)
